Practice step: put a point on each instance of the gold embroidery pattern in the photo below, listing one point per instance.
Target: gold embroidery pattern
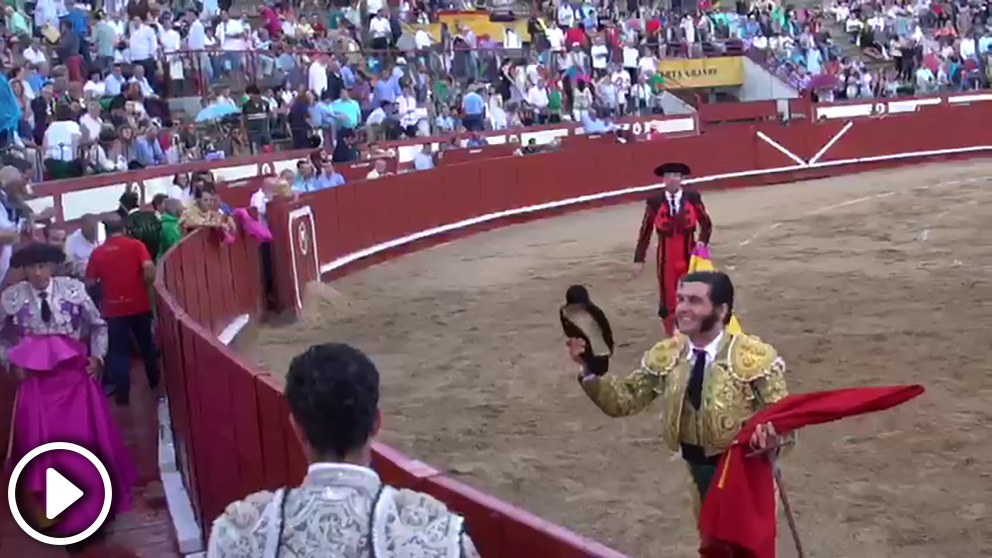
(620, 397)
(743, 365)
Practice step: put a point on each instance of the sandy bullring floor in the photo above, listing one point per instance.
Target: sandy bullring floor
(876, 278)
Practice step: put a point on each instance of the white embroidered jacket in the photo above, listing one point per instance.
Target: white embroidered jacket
(340, 511)
(73, 314)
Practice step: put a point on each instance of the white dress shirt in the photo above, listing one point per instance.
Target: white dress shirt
(225, 32)
(317, 78)
(7, 250)
(197, 38)
(259, 201)
(143, 43)
(78, 249)
(710, 350)
(674, 201)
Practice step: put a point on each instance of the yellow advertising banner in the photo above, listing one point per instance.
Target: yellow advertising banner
(687, 73)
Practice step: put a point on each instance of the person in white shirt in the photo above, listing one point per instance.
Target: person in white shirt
(94, 87)
(566, 15)
(35, 54)
(233, 35)
(138, 76)
(181, 189)
(381, 31)
(600, 54)
(510, 38)
(556, 42)
(12, 221)
(172, 43)
(378, 169)
(537, 97)
(317, 75)
(80, 244)
(630, 58)
(261, 198)
(114, 82)
(91, 123)
(62, 137)
(379, 115)
(422, 39)
(106, 155)
(406, 108)
(196, 40)
(143, 46)
(118, 23)
(46, 13)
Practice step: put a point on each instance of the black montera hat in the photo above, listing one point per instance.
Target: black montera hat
(37, 253)
(673, 168)
(582, 319)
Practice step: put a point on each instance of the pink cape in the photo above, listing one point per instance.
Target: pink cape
(252, 226)
(59, 401)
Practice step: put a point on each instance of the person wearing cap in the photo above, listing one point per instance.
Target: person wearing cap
(53, 340)
(675, 214)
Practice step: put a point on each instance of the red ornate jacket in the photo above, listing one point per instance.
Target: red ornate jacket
(657, 215)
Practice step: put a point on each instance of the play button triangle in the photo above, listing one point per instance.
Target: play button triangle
(59, 493)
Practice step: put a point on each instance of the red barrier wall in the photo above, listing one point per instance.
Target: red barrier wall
(230, 419)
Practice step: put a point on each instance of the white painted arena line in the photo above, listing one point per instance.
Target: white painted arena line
(799, 161)
(862, 199)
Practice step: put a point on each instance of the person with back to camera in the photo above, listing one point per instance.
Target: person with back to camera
(342, 509)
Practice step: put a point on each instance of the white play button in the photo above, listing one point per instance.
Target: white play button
(59, 493)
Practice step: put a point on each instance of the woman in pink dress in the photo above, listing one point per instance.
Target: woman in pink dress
(59, 399)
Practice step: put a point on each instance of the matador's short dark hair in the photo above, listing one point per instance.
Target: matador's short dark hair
(721, 288)
(333, 394)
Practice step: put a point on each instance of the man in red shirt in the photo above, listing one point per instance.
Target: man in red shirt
(123, 268)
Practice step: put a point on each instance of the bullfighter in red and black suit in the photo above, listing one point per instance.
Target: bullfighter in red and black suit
(675, 214)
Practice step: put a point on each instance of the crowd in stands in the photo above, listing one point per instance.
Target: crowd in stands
(899, 48)
(88, 88)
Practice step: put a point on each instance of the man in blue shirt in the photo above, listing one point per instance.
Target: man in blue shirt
(347, 111)
(147, 150)
(387, 89)
(329, 178)
(306, 180)
(425, 159)
(591, 124)
(114, 82)
(473, 110)
(79, 20)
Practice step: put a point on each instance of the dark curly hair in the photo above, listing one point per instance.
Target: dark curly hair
(333, 394)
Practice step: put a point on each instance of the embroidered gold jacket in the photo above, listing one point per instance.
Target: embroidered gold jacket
(746, 375)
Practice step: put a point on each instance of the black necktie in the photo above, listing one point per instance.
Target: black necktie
(695, 388)
(46, 310)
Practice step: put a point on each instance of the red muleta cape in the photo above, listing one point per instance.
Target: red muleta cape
(740, 506)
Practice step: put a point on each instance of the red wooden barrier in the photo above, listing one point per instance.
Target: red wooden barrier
(735, 112)
(230, 420)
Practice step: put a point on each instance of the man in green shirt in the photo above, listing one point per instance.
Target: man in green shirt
(105, 39)
(170, 233)
(17, 22)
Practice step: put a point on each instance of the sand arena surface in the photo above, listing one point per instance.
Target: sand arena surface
(877, 278)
